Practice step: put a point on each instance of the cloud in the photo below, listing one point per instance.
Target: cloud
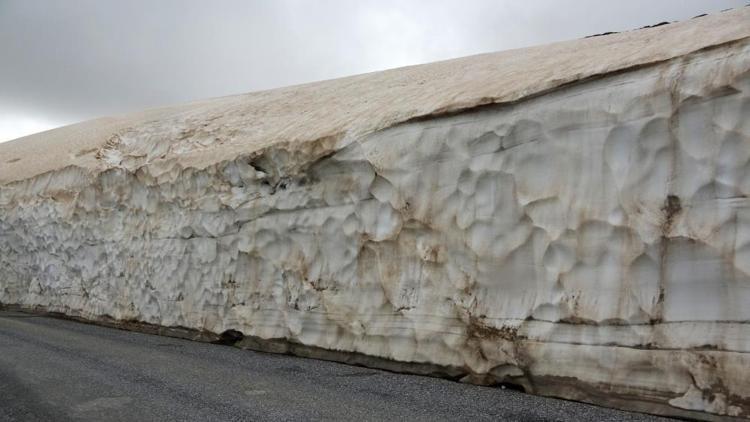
(16, 126)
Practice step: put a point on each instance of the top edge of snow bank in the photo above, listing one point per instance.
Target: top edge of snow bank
(203, 133)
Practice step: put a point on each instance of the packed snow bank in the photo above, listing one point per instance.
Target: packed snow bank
(590, 241)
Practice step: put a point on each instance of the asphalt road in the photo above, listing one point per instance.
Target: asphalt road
(58, 370)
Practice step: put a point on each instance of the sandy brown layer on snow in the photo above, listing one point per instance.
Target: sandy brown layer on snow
(204, 133)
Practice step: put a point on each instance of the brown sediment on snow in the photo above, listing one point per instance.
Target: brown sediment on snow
(207, 132)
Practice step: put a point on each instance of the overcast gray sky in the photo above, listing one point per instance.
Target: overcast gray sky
(63, 61)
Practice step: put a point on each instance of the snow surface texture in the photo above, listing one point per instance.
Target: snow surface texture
(591, 243)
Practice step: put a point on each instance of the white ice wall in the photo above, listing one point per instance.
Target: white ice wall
(591, 243)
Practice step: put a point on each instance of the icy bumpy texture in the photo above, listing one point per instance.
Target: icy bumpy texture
(591, 243)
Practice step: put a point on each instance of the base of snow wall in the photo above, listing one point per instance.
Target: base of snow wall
(562, 387)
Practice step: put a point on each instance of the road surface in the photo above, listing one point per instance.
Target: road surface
(58, 370)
